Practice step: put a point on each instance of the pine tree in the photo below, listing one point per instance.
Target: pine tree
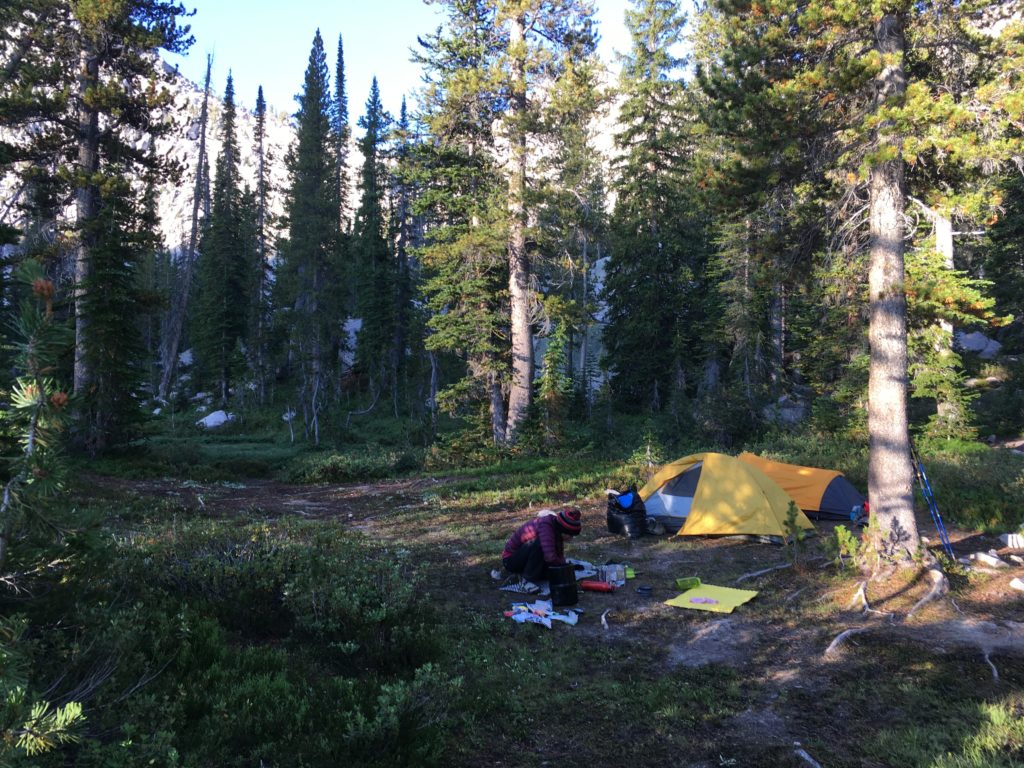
(465, 269)
(404, 236)
(85, 75)
(113, 42)
(572, 224)
(374, 264)
(489, 63)
(543, 37)
(153, 278)
(112, 300)
(342, 135)
(182, 291)
(260, 272)
(39, 405)
(554, 386)
(657, 245)
(886, 128)
(311, 247)
(222, 309)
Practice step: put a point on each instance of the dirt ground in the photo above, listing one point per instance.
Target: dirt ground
(779, 638)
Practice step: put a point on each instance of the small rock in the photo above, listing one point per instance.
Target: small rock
(1012, 540)
(1015, 559)
(1017, 584)
(986, 558)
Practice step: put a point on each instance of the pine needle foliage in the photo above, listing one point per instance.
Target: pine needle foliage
(226, 263)
(33, 426)
(307, 286)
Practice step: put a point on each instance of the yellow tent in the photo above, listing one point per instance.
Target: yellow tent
(822, 493)
(718, 494)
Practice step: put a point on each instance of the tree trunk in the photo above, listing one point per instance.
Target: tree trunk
(435, 385)
(521, 392)
(86, 204)
(179, 307)
(399, 340)
(257, 354)
(584, 375)
(890, 470)
(777, 323)
(497, 408)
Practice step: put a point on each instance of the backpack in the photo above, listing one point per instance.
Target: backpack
(627, 514)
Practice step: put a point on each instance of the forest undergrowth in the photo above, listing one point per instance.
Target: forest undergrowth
(364, 628)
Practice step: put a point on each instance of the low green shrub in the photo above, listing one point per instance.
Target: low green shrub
(218, 643)
(237, 575)
(366, 617)
(366, 463)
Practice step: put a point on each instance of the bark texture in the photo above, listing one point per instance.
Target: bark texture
(86, 203)
(890, 471)
(521, 390)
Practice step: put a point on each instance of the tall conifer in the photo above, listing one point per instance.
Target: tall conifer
(544, 38)
(342, 135)
(374, 263)
(657, 240)
(867, 78)
(259, 314)
(220, 320)
(311, 245)
(464, 254)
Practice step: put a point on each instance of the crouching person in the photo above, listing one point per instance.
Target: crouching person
(540, 543)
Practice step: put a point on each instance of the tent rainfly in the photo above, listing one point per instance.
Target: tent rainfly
(714, 494)
(821, 493)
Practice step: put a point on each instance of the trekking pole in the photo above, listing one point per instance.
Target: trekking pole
(929, 498)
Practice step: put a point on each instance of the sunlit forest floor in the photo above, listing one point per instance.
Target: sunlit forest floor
(403, 582)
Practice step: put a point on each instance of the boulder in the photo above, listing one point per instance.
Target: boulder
(988, 559)
(978, 343)
(215, 419)
(788, 410)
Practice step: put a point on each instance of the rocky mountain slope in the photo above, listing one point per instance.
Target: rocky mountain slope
(182, 146)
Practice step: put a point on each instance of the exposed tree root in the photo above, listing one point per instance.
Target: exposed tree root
(988, 637)
(841, 638)
(795, 595)
(995, 672)
(860, 595)
(802, 754)
(940, 586)
(763, 571)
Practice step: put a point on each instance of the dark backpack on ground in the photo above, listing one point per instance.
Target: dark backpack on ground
(627, 514)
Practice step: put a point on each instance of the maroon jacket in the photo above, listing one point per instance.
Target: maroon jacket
(545, 529)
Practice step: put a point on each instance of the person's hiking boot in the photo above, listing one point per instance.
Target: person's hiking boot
(520, 585)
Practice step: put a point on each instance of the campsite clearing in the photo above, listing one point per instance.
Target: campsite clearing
(678, 687)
